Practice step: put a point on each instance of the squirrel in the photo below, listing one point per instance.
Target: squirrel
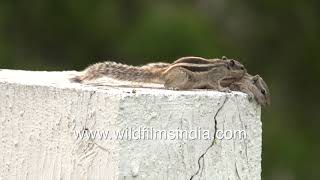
(173, 76)
(254, 86)
(196, 76)
(189, 72)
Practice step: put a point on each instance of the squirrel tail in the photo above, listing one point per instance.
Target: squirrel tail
(149, 73)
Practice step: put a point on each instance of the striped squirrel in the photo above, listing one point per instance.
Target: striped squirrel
(173, 76)
(254, 86)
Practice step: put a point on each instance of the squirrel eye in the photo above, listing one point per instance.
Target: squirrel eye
(263, 91)
(242, 68)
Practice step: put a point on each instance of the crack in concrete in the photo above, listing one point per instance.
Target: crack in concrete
(244, 128)
(244, 142)
(200, 168)
(101, 147)
(237, 172)
(91, 93)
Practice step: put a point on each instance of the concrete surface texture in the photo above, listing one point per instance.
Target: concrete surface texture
(45, 123)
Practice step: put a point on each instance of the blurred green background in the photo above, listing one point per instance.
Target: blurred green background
(280, 40)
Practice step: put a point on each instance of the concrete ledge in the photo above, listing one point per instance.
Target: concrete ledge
(41, 113)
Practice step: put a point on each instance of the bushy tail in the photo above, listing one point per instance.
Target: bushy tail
(149, 73)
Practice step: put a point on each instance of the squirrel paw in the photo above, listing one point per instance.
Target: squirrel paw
(226, 90)
(250, 97)
(173, 88)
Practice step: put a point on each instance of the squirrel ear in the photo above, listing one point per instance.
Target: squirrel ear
(255, 78)
(232, 63)
(224, 58)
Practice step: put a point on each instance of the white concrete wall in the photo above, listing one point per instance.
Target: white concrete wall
(39, 112)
